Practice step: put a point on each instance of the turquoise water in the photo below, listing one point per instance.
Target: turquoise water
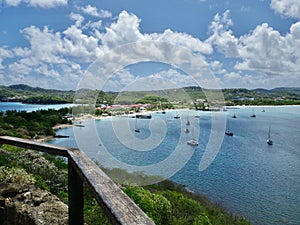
(247, 177)
(4, 106)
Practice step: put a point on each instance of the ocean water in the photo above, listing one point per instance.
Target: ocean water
(4, 106)
(247, 176)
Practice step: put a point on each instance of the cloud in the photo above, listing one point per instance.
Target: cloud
(290, 8)
(79, 46)
(165, 79)
(93, 25)
(266, 50)
(77, 18)
(217, 67)
(221, 36)
(124, 30)
(184, 40)
(93, 11)
(19, 68)
(263, 51)
(37, 3)
(12, 2)
(47, 71)
(4, 54)
(41, 52)
(68, 53)
(257, 79)
(120, 80)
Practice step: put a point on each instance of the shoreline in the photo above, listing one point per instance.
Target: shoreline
(260, 106)
(49, 137)
(61, 126)
(93, 117)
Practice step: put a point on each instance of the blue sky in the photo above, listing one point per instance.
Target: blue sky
(239, 43)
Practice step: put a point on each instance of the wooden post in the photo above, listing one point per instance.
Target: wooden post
(116, 205)
(75, 186)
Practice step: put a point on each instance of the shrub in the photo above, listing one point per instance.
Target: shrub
(15, 175)
(156, 206)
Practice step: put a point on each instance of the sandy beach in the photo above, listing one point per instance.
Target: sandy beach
(61, 126)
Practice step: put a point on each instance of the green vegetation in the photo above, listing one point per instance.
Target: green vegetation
(31, 124)
(27, 94)
(45, 99)
(15, 175)
(191, 208)
(179, 96)
(157, 207)
(277, 96)
(166, 203)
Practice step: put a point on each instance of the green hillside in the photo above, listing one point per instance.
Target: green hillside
(27, 94)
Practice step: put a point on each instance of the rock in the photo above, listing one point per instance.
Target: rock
(31, 206)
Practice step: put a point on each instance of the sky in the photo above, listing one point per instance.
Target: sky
(150, 44)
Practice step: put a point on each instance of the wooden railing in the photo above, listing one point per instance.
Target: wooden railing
(117, 206)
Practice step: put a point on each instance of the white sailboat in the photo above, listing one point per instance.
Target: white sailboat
(177, 116)
(234, 116)
(253, 115)
(136, 127)
(228, 132)
(187, 120)
(193, 141)
(269, 141)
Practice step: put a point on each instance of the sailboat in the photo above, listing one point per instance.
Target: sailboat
(234, 116)
(136, 127)
(193, 141)
(228, 132)
(253, 115)
(269, 141)
(177, 116)
(187, 120)
(186, 130)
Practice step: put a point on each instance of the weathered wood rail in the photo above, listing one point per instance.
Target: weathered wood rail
(117, 206)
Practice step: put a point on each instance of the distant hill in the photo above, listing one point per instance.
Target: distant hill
(25, 93)
(28, 94)
(293, 90)
(23, 87)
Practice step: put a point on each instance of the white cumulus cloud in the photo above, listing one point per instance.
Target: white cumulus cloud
(93, 11)
(37, 3)
(4, 54)
(77, 18)
(290, 8)
(221, 36)
(63, 56)
(264, 52)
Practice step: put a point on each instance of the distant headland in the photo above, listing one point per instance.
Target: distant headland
(196, 95)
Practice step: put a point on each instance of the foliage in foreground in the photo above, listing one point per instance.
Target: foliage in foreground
(169, 204)
(31, 124)
(165, 203)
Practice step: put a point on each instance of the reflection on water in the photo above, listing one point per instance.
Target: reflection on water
(248, 176)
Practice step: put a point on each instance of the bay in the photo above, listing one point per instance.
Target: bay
(4, 106)
(248, 177)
